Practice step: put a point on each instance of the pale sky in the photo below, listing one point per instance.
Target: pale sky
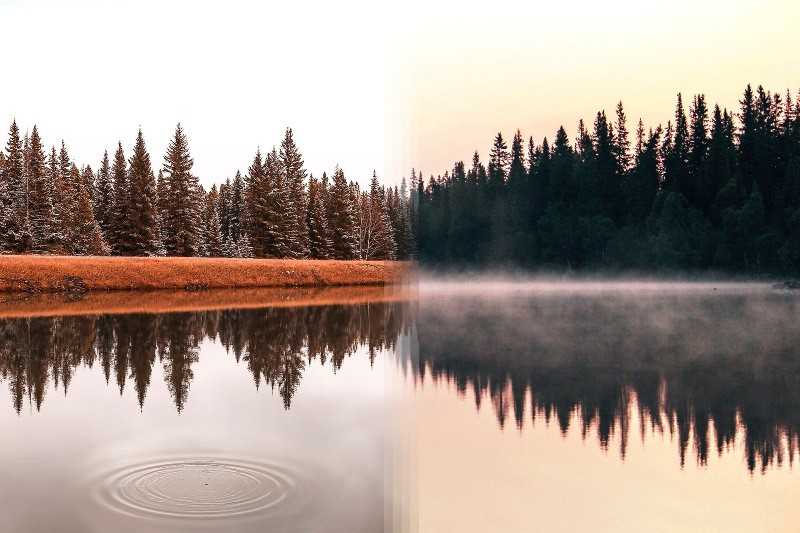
(369, 85)
(480, 68)
(234, 74)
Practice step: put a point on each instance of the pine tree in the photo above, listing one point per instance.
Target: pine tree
(12, 195)
(143, 238)
(212, 236)
(293, 177)
(340, 217)
(40, 201)
(319, 243)
(120, 206)
(87, 237)
(236, 216)
(103, 195)
(376, 239)
(622, 144)
(182, 215)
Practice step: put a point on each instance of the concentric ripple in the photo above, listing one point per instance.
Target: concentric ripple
(200, 489)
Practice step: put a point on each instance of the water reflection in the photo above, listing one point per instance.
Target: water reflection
(275, 344)
(708, 367)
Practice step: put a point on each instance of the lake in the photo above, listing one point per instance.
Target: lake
(481, 406)
(608, 406)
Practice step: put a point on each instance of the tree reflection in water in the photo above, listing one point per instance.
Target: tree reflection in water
(705, 368)
(275, 343)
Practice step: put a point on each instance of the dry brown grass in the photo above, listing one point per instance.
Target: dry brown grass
(18, 305)
(79, 274)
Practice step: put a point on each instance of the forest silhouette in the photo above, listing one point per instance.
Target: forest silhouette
(719, 189)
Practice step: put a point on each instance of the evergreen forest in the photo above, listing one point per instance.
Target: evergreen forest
(714, 189)
(51, 205)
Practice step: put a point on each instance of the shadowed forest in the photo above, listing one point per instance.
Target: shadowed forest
(50, 205)
(709, 371)
(275, 345)
(717, 189)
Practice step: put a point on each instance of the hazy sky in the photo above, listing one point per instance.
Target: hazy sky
(489, 67)
(372, 86)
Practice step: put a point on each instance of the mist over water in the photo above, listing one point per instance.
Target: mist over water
(714, 365)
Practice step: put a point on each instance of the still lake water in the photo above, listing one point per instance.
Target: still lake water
(469, 407)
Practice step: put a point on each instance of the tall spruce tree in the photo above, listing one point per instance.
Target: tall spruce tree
(143, 237)
(12, 195)
(340, 217)
(293, 176)
(103, 195)
(182, 216)
(40, 201)
(319, 242)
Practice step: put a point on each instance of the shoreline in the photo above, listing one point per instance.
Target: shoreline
(82, 274)
(24, 305)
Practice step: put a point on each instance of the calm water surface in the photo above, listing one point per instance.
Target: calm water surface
(237, 420)
(613, 406)
(524, 407)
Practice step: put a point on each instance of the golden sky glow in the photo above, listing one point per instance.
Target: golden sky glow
(476, 69)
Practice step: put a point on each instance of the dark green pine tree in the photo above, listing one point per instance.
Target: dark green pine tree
(499, 162)
(698, 150)
(40, 201)
(622, 144)
(182, 216)
(103, 195)
(319, 242)
(340, 217)
(119, 221)
(293, 176)
(143, 237)
(676, 161)
(606, 177)
(720, 163)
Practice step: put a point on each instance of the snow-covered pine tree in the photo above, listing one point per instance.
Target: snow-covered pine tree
(223, 209)
(293, 177)
(260, 202)
(182, 216)
(87, 238)
(12, 194)
(120, 206)
(103, 195)
(57, 238)
(340, 217)
(40, 201)
(212, 237)
(162, 194)
(143, 238)
(236, 212)
(319, 242)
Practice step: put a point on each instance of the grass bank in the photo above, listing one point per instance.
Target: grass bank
(24, 305)
(24, 273)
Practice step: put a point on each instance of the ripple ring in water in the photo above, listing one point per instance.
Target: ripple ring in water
(200, 489)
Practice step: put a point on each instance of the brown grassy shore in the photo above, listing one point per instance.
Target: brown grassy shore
(19, 305)
(25, 273)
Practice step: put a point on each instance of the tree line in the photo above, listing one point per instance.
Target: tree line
(276, 344)
(50, 205)
(715, 189)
